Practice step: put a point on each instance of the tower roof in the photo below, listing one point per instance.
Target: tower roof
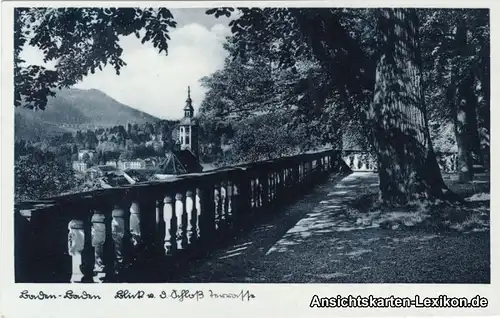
(179, 162)
(189, 101)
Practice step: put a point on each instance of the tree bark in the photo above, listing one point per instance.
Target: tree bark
(407, 164)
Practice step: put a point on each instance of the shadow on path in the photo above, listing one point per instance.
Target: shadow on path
(316, 241)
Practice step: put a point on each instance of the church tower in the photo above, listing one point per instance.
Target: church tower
(188, 128)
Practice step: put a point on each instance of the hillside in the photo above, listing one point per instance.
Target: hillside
(76, 109)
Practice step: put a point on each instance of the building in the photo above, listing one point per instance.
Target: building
(131, 164)
(188, 129)
(101, 171)
(151, 163)
(111, 180)
(134, 176)
(179, 162)
(82, 153)
(185, 159)
(112, 163)
(80, 166)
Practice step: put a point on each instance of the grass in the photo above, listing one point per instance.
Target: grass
(467, 216)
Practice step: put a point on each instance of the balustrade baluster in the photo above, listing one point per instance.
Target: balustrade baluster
(303, 173)
(289, 180)
(264, 188)
(253, 196)
(198, 207)
(206, 212)
(159, 226)
(277, 184)
(272, 186)
(296, 177)
(192, 221)
(80, 249)
(218, 206)
(309, 170)
(118, 231)
(286, 181)
(180, 215)
(224, 205)
(271, 182)
(244, 202)
(135, 224)
(98, 240)
(281, 184)
(229, 204)
(235, 205)
(170, 224)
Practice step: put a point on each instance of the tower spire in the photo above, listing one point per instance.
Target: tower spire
(188, 100)
(188, 109)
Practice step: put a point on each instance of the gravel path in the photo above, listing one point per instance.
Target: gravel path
(314, 241)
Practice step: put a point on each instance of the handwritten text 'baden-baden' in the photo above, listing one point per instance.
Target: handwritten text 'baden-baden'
(174, 294)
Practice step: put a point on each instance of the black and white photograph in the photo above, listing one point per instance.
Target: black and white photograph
(250, 145)
(266, 145)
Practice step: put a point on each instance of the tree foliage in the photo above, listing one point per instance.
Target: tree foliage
(78, 41)
(38, 174)
(343, 44)
(456, 74)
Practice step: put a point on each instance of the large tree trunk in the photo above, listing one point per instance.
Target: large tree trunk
(407, 163)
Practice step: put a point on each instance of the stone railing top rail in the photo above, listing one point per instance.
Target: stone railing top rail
(152, 187)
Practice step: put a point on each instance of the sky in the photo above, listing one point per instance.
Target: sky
(156, 83)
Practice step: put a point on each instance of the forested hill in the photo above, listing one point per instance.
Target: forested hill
(76, 109)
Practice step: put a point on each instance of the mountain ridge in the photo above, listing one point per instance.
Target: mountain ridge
(76, 109)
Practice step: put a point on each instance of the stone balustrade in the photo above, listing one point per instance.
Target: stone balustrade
(137, 232)
(365, 161)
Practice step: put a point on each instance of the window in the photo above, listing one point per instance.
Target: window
(187, 140)
(187, 130)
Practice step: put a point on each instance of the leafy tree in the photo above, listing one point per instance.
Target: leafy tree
(249, 87)
(267, 137)
(80, 138)
(382, 83)
(90, 140)
(239, 89)
(39, 175)
(79, 41)
(456, 61)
